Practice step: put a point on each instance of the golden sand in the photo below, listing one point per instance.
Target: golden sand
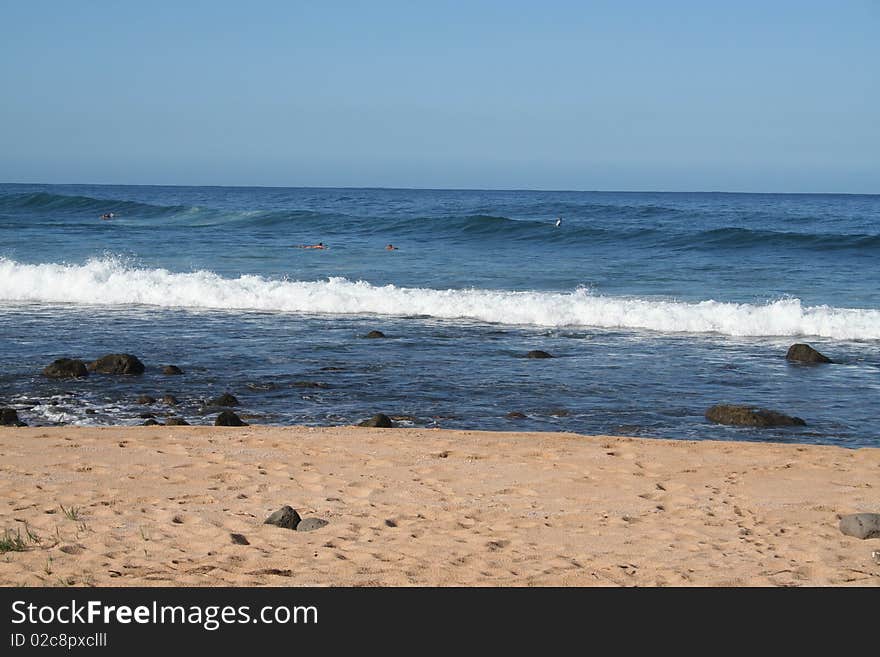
(157, 506)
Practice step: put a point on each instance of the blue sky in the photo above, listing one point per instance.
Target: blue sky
(734, 96)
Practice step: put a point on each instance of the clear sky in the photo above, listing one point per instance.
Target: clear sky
(769, 95)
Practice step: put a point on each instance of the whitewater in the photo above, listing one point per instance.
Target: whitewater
(109, 281)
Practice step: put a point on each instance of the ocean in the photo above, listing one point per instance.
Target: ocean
(655, 305)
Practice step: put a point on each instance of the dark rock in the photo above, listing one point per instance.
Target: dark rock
(285, 517)
(379, 420)
(117, 364)
(224, 400)
(750, 416)
(239, 539)
(66, 368)
(152, 423)
(147, 415)
(861, 525)
(374, 334)
(332, 368)
(804, 353)
(176, 422)
(229, 419)
(171, 400)
(9, 418)
(311, 524)
(91, 411)
(537, 353)
(308, 384)
(515, 415)
(146, 399)
(172, 370)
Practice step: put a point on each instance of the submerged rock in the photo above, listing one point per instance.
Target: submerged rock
(66, 368)
(308, 384)
(172, 370)
(146, 399)
(515, 415)
(224, 400)
(374, 334)
(537, 353)
(229, 419)
(804, 353)
(285, 517)
(117, 364)
(861, 525)
(379, 420)
(9, 418)
(750, 416)
(171, 400)
(152, 423)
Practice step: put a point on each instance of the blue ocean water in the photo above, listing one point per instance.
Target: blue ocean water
(657, 305)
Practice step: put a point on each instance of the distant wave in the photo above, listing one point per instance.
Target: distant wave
(593, 223)
(746, 237)
(82, 204)
(111, 282)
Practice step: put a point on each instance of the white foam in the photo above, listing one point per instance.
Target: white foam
(110, 282)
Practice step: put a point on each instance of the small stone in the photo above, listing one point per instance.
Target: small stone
(750, 416)
(224, 400)
(172, 370)
(861, 525)
(177, 520)
(72, 549)
(311, 524)
(379, 420)
(239, 539)
(9, 418)
(117, 364)
(537, 353)
(285, 517)
(229, 419)
(804, 353)
(66, 368)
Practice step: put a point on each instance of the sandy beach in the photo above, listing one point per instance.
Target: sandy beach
(146, 506)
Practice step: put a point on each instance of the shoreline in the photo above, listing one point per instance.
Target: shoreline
(146, 506)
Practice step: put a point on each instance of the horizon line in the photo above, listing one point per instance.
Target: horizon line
(450, 189)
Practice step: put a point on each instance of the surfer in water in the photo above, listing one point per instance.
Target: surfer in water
(319, 245)
(558, 221)
(107, 215)
(391, 247)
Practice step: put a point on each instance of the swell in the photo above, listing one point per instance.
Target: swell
(62, 203)
(111, 282)
(583, 225)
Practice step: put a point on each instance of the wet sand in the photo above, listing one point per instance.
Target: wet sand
(157, 506)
